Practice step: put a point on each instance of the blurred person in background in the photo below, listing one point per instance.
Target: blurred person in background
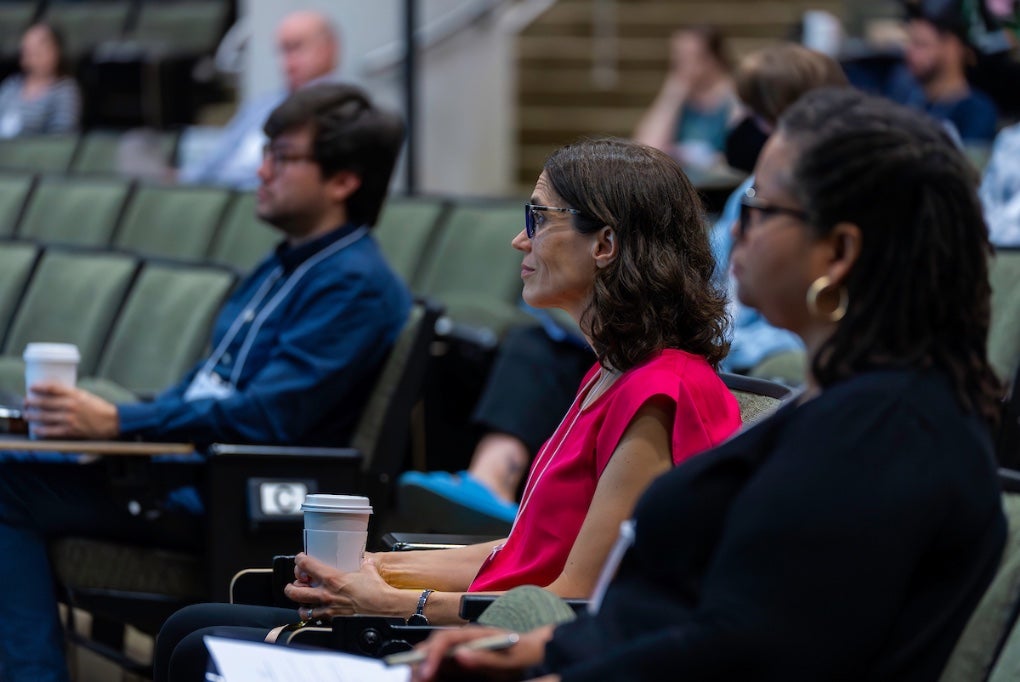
(43, 98)
(768, 82)
(309, 50)
(1000, 188)
(696, 103)
(934, 79)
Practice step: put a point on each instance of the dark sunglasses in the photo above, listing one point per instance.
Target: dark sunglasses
(531, 216)
(749, 201)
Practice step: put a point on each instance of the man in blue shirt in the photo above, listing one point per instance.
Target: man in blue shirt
(934, 78)
(309, 52)
(294, 351)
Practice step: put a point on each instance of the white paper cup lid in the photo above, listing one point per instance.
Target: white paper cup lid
(337, 503)
(53, 352)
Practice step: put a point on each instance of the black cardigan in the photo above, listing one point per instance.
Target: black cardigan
(849, 537)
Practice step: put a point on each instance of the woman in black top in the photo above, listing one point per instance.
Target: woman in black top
(851, 535)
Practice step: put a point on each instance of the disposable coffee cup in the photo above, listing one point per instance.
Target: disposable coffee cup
(52, 362)
(336, 529)
(342, 549)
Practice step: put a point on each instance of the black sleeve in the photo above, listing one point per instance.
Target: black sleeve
(815, 561)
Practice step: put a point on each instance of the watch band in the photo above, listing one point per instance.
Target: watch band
(418, 617)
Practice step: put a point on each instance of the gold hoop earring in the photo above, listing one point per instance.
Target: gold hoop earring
(816, 289)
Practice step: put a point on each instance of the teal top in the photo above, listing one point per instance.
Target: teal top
(705, 125)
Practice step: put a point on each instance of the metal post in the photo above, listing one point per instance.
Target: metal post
(410, 94)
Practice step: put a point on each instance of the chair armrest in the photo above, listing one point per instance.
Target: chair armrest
(253, 497)
(397, 541)
(377, 636)
(472, 605)
(264, 586)
(268, 451)
(253, 586)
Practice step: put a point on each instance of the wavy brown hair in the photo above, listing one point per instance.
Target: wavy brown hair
(658, 292)
(918, 294)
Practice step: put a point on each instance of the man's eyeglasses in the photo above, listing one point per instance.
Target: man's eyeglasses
(533, 218)
(750, 201)
(280, 156)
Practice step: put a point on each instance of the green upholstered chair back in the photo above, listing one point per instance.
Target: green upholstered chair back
(787, 368)
(99, 150)
(408, 348)
(39, 153)
(975, 651)
(164, 325)
(186, 27)
(1004, 333)
(14, 19)
(175, 222)
(86, 24)
(70, 210)
(472, 268)
(16, 263)
(243, 239)
(14, 192)
(405, 231)
(72, 298)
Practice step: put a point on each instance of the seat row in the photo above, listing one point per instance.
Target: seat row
(190, 26)
(456, 252)
(93, 152)
(139, 323)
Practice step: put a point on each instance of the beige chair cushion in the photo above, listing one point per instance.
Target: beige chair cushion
(82, 563)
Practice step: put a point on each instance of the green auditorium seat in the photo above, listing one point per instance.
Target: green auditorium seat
(86, 24)
(183, 27)
(976, 651)
(72, 297)
(243, 239)
(39, 153)
(72, 210)
(164, 326)
(15, 16)
(14, 191)
(1004, 332)
(98, 150)
(175, 222)
(16, 262)
(471, 267)
(405, 231)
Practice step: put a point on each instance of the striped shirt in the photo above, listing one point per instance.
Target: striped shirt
(55, 111)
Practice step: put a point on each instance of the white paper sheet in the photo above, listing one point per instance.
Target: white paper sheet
(240, 661)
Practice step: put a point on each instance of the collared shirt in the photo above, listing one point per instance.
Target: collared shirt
(234, 160)
(309, 329)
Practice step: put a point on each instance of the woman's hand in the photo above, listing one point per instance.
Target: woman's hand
(330, 592)
(509, 663)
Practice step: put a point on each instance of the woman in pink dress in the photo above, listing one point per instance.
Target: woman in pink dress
(614, 235)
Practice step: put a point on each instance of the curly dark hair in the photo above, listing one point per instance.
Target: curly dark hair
(919, 291)
(658, 292)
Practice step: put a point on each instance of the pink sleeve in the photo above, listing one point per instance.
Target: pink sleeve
(705, 413)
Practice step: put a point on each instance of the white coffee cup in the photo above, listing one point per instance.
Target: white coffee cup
(53, 362)
(336, 529)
